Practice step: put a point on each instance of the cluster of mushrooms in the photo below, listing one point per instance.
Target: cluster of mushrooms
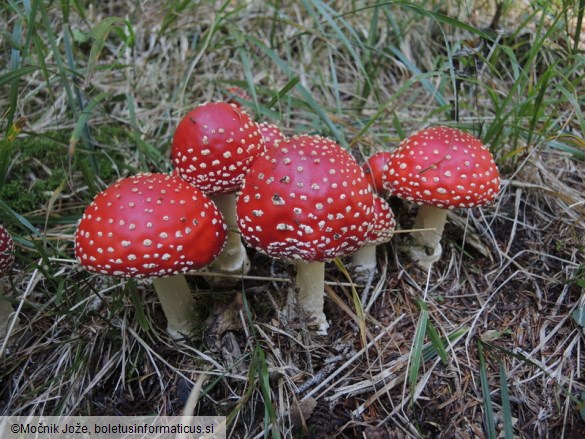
(303, 199)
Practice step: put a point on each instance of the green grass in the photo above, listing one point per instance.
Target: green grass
(39, 169)
(92, 94)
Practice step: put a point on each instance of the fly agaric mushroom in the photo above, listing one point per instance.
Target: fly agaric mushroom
(152, 226)
(6, 261)
(234, 92)
(374, 169)
(364, 260)
(440, 168)
(306, 201)
(6, 251)
(272, 134)
(213, 147)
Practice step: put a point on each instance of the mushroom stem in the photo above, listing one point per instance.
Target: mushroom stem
(310, 281)
(233, 259)
(427, 248)
(177, 303)
(364, 259)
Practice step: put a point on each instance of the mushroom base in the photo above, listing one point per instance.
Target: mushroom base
(364, 259)
(427, 248)
(310, 282)
(233, 259)
(178, 305)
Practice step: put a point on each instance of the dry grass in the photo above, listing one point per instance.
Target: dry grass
(502, 296)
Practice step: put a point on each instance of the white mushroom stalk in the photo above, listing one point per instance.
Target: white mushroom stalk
(364, 260)
(234, 258)
(177, 303)
(310, 282)
(426, 247)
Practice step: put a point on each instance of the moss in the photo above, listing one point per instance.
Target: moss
(41, 164)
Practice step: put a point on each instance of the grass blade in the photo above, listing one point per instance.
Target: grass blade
(283, 91)
(579, 26)
(259, 366)
(506, 410)
(81, 124)
(138, 305)
(19, 219)
(17, 73)
(437, 342)
(488, 409)
(100, 34)
(249, 77)
(416, 357)
(305, 94)
(357, 303)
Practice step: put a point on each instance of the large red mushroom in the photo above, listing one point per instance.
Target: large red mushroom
(307, 201)
(440, 168)
(214, 146)
(152, 226)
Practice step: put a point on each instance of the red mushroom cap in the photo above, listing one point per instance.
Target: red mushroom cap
(214, 146)
(443, 167)
(306, 199)
(6, 251)
(149, 225)
(384, 222)
(374, 169)
(272, 134)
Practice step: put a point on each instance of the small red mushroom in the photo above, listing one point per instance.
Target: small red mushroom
(308, 201)
(6, 262)
(213, 148)
(152, 226)
(364, 260)
(440, 168)
(234, 92)
(374, 169)
(272, 134)
(6, 251)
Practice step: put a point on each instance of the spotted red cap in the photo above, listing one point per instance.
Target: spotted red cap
(374, 169)
(214, 146)
(306, 199)
(149, 225)
(6, 251)
(384, 222)
(443, 167)
(272, 134)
